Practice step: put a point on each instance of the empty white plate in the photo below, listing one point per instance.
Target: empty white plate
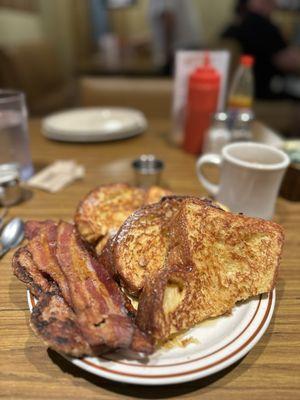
(97, 124)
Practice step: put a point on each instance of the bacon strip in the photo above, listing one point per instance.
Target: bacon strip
(27, 271)
(51, 319)
(54, 321)
(81, 310)
(32, 228)
(42, 247)
(95, 297)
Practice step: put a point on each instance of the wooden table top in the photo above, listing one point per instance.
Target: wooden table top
(28, 370)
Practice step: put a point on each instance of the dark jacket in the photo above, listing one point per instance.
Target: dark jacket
(258, 36)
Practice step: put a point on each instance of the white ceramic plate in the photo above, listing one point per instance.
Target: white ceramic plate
(217, 344)
(97, 124)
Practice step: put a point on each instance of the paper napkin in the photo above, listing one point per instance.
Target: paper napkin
(57, 175)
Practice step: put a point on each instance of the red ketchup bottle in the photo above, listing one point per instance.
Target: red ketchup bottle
(202, 100)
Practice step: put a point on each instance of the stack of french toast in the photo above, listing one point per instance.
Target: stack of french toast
(139, 266)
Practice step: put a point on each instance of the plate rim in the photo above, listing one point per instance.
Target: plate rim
(191, 374)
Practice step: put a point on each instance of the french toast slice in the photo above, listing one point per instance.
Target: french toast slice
(215, 259)
(100, 214)
(155, 193)
(105, 208)
(140, 246)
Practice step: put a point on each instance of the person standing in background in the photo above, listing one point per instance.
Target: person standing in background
(99, 19)
(275, 59)
(175, 25)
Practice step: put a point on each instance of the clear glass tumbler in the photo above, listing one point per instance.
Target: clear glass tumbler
(14, 140)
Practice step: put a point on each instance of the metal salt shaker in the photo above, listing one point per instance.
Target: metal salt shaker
(242, 127)
(218, 134)
(10, 189)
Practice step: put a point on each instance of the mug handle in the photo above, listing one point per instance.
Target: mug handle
(214, 159)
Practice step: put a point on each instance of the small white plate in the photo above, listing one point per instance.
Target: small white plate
(97, 124)
(217, 344)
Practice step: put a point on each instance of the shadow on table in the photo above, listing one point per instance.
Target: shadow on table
(39, 165)
(26, 194)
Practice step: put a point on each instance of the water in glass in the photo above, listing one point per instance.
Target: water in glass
(14, 142)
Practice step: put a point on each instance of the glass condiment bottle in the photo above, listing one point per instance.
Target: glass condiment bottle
(242, 89)
(218, 135)
(242, 127)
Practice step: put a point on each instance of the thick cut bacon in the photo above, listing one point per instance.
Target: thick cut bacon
(32, 228)
(42, 247)
(95, 297)
(80, 310)
(27, 271)
(54, 321)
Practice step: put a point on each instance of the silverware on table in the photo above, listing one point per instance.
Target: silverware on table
(11, 235)
(2, 216)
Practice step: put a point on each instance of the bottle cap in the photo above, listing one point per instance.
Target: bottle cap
(220, 116)
(206, 73)
(245, 116)
(247, 60)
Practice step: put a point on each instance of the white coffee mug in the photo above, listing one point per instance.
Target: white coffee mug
(251, 174)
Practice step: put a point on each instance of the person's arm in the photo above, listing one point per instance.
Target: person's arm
(264, 40)
(288, 60)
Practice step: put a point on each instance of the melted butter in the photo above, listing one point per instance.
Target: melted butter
(179, 341)
(133, 300)
(208, 322)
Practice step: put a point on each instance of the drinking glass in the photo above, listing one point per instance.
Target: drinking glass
(14, 140)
